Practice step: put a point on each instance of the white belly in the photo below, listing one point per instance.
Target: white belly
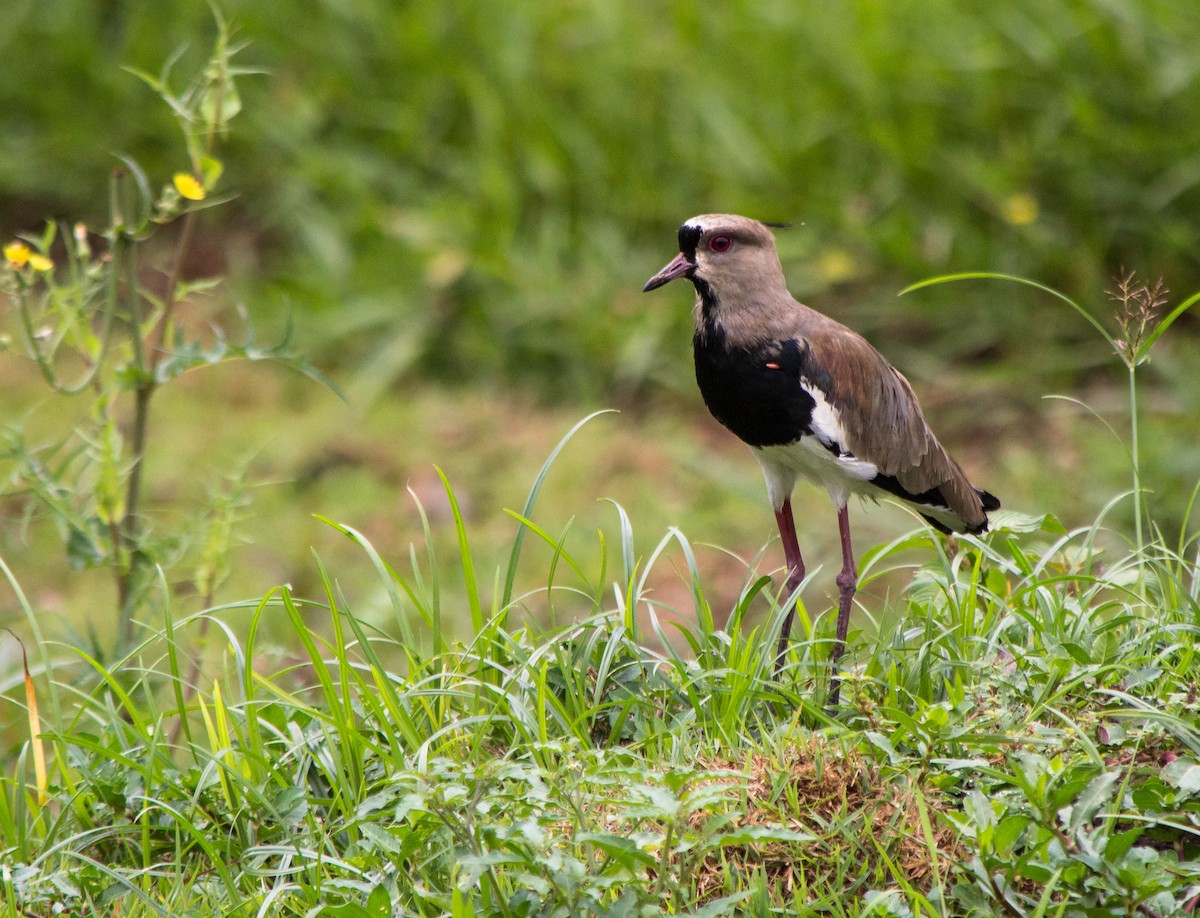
(807, 458)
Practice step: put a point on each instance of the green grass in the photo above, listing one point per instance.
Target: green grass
(1018, 736)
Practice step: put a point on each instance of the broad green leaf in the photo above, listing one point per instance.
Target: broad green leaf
(1118, 845)
(1184, 775)
(1097, 793)
(620, 847)
(1015, 521)
(1008, 830)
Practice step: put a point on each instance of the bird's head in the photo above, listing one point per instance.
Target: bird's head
(725, 256)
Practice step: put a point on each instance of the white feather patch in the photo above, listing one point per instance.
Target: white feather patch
(826, 422)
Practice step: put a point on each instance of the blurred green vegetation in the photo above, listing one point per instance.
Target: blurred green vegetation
(458, 203)
(430, 179)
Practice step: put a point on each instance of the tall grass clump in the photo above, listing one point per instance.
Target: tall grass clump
(1019, 733)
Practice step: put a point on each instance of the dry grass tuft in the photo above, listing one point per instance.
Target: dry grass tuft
(836, 796)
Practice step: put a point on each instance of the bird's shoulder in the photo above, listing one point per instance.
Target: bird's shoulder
(844, 365)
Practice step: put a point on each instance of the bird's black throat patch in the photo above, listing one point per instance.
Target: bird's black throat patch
(708, 306)
(754, 391)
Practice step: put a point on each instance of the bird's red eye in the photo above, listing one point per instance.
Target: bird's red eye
(720, 243)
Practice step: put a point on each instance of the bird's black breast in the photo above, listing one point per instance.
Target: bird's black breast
(754, 391)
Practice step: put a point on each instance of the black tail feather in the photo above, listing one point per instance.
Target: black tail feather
(935, 499)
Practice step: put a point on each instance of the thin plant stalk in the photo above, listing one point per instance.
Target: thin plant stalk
(1135, 459)
(149, 351)
(143, 394)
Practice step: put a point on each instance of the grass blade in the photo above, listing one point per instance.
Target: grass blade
(527, 511)
(1013, 278)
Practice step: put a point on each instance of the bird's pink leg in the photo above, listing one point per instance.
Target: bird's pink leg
(847, 582)
(795, 575)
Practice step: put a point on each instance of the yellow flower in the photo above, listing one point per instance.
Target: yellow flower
(40, 262)
(1020, 209)
(187, 186)
(17, 254)
(836, 266)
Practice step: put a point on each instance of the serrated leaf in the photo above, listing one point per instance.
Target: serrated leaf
(657, 802)
(531, 832)
(1033, 769)
(292, 805)
(1135, 865)
(616, 846)
(375, 802)
(979, 808)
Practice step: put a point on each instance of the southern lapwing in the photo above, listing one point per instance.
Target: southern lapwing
(813, 400)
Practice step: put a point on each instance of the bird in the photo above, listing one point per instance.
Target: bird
(813, 399)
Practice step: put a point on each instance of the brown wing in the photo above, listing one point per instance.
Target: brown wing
(884, 424)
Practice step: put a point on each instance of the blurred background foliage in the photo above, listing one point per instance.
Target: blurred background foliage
(467, 197)
(425, 179)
